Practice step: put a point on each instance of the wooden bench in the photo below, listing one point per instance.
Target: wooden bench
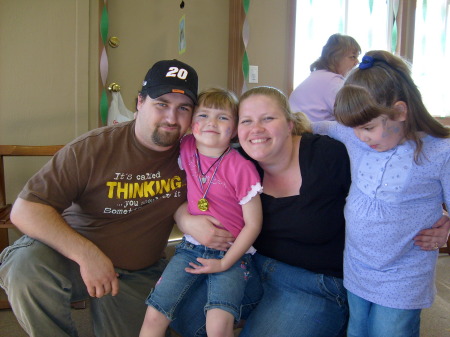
(5, 208)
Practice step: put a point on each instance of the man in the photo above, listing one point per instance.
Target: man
(97, 217)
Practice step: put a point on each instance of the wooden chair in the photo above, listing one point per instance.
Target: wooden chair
(447, 248)
(5, 209)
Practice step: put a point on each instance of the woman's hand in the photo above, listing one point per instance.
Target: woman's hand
(435, 237)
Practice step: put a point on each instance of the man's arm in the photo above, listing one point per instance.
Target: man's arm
(252, 212)
(202, 228)
(437, 235)
(44, 223)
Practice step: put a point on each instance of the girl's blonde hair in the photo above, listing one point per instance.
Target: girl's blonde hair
(301, 123)
(372, 89)
(217, 98)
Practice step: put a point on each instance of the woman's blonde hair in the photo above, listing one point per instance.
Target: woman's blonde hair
(372, 89)
(301, 123)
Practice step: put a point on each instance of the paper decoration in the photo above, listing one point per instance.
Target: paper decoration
(104, 107)
(104, 26)
(182, 35)
(394, 36)
(245, 38)
(103, 66)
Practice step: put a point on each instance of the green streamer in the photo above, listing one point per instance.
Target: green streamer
(104, 107)
(444, 31)
(371, 6)
(246, 6)
(424, 10)
(104, 23)
(424, 44)
(443, 41)
(245, 66)
(341, 25)
(394, 37)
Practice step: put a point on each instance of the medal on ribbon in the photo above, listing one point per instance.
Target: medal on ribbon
(203, 204)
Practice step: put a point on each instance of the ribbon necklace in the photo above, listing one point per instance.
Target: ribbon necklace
(203, 203)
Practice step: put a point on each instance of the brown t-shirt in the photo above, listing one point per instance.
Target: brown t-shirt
(115, 192)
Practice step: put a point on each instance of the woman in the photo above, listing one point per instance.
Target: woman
(315, 95)
(300, 249)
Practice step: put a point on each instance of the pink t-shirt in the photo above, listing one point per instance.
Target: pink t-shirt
(234, 184)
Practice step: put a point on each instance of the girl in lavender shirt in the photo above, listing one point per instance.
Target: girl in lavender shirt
(400, 166)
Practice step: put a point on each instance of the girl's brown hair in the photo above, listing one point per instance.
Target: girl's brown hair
(371, 90)
(301, 123)
(217, 98)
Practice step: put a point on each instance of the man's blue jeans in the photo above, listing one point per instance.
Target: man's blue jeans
(41, 283)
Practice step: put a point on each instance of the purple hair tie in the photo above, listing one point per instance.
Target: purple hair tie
(366, 62)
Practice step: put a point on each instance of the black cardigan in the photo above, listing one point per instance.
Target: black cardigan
(308, 230)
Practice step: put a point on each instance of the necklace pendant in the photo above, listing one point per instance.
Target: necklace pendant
(203, 204)
(203, 179)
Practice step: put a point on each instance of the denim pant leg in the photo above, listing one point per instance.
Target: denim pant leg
(40, 284)
(175, 282)
(370, 319)
(297, 303)
(123, 314)
(226, 289)
(190, 314)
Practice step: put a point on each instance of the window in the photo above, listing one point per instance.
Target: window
(370, 23)
(316, 20)
(431, 68)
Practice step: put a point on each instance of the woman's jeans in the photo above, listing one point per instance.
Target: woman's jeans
(41, 284)
(368, 319)
(225, 290)
(297, 303)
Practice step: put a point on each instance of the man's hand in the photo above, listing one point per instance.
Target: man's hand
(99, 275)
(209, 235)
(435, 237)
(203, 228)
(44, 223)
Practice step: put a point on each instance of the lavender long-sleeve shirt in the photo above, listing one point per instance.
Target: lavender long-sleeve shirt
(391, 199)
(316, 94)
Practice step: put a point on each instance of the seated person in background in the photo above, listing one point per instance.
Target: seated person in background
(223, 184)
(97, 217)
(315, 95)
